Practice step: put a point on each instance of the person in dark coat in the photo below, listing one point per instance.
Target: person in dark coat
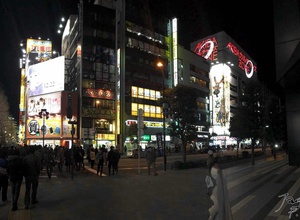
(151, 160)
(3, 175)
(117, 157)
(31, 169)
(15, 173)
(100, 161)
(111, 161)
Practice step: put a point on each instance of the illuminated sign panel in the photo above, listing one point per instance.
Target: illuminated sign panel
(98, 93)
(220, 94)
(22, 91)
(51, 102)
(175, 55)
(46, 77)
(57, 125)
(42, 48)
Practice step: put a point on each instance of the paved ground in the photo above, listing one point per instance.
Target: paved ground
(174, 194)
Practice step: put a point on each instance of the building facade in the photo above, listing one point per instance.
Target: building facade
(230, 68)
(287, 55)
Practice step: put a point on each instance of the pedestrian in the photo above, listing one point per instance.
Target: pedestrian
(81, 154)
(105, 154)
(88, 151)
(92, 157)
(111, 161)
(216, 211)
(61, 158)
(15, 174)
(116, 160)
(31, 169)
(3, 175)
(151, 160)
(209, 164)
(125, 150)
(100, 161)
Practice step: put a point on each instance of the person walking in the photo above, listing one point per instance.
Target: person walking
(31, 170)
(116, 160)
(104, 154)
(216, 211)
(100, 161)
(3, 175)
(92, 157)
(209, 164)
(111, 161)
(151, 160)
(15, 174)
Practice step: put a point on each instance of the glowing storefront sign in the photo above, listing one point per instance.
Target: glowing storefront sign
(98, 93)
(46, 77)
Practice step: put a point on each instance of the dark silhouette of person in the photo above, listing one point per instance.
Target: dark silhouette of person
(15, 173)
(31, 169)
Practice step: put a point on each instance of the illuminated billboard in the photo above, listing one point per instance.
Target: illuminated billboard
(46, 77)
(42, 49)
(220, 48)
(51, 102)
(57, 125)
(220, 94)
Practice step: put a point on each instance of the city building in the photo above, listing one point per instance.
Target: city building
(287, 54)
(230, 68)
(113, 50)
(108, 72)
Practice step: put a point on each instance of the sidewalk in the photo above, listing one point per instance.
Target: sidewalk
(173, 194)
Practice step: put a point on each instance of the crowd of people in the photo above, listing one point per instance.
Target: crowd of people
(104, 157)
(27, 162)
(18, 164)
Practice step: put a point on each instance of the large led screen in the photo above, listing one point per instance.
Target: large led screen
(46, 77)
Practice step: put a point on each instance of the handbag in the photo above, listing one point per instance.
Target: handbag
(209, 182)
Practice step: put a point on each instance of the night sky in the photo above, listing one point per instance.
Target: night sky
(251, 26)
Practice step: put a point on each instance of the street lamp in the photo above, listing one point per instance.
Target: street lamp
(44, 115)
(161, 66)
(264, 141)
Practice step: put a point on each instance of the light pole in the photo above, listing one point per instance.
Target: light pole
(161, 66)
(264, 141)
(44, 115)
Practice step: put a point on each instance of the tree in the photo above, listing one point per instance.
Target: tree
(246, 121)
(182, 102)
(8, 129)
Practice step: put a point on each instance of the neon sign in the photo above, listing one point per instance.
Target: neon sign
(244, 62)
(207, 49)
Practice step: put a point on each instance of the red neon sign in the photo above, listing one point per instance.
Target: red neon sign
(207, 49)
(244, 63)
